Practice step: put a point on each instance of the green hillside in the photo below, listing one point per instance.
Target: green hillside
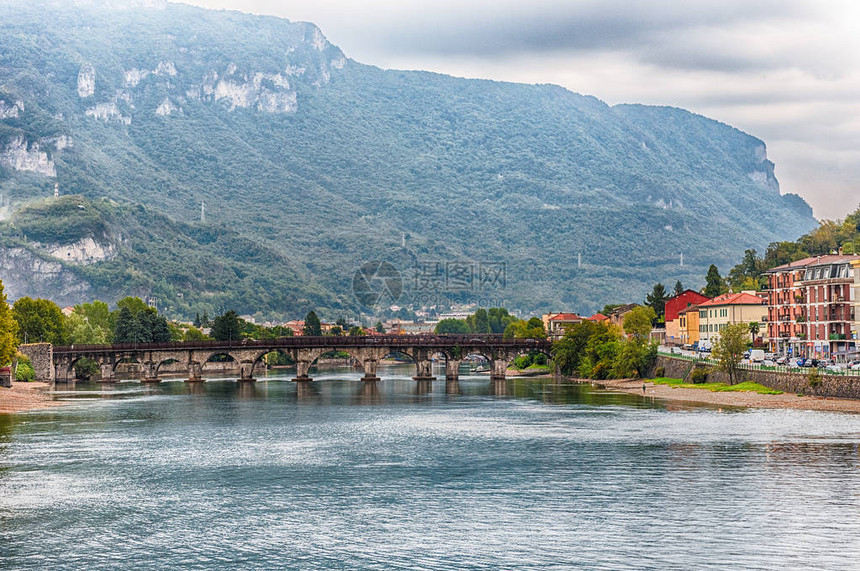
(335, 163)
(185, 267)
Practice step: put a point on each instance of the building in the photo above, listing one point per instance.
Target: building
(688, 325)
(674, 305)
(811, 306)
(598, 318)
(617, 315)
(559, 322)
(855, 333)
(730, 309)
(296, 326)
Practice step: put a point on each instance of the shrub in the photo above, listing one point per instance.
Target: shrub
(24, 373)
(601, 371)
(660, 372)
(814, 377)
(699, 375)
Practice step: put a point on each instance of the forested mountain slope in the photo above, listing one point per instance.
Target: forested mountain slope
(331, 163)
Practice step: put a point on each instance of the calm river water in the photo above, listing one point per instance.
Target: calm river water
(352, 476)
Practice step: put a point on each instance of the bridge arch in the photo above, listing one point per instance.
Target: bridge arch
(260, 356)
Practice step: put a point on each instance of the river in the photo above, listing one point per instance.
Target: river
(343, 475)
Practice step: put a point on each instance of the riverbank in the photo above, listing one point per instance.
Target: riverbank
(741, 399)
(25, 396)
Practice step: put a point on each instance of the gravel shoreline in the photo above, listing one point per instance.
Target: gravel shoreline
(26, 396)
(740, 399)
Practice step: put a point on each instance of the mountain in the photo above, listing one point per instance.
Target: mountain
(79, 249)
(555, 199)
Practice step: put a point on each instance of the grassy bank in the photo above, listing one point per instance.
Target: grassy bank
(717, 387)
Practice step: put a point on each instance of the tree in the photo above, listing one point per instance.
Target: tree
(227, 327)
(588, 349)
(713, 282)
(520, 329)
(754, 328)
(452, 326)
(356, 331)
(99, 316)
(729, 349)
(656, 300)
(8, 330)
(39, 321)
(637, 323)
(312, 327)
(123, 326)
(81, 331)
(499, 319)
(134, 304)
(379, 327)
(679, 288)
(194, 334)
(337, 331)
(479, 322)
(638, 352)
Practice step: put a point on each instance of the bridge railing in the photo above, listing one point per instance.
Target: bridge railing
(314, 342)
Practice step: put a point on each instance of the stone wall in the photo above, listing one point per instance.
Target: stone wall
(840, 386)
(41, 356)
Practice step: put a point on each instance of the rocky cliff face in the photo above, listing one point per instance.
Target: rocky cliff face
(28, 273)
(22, 155)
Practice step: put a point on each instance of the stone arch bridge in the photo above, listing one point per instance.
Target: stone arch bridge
(56, 363)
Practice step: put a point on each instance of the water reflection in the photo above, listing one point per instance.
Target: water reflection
(368, 393)
(435, 476)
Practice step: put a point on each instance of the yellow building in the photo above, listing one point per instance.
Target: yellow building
(688, 325)
(729, 309)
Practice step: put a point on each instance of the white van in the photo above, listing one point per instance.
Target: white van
(756, 355)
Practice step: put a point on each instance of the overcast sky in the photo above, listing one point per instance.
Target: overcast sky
(785, 71)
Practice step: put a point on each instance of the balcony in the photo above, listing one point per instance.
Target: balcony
(800, 319)
(837, 336)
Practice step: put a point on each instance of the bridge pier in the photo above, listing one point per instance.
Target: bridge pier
(195, 372)
(63, 373)
(452, 369)
(150, 372)
(499, 369)
(246, 370)
(369, 366)
(424, 370)
(107, 373)
(452, 386)
(303, 367)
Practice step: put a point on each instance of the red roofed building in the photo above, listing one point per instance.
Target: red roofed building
(558, 323)
(674, 305)
(598, 318)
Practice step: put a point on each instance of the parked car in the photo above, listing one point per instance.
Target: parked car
(836, 367)
(855, 366)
